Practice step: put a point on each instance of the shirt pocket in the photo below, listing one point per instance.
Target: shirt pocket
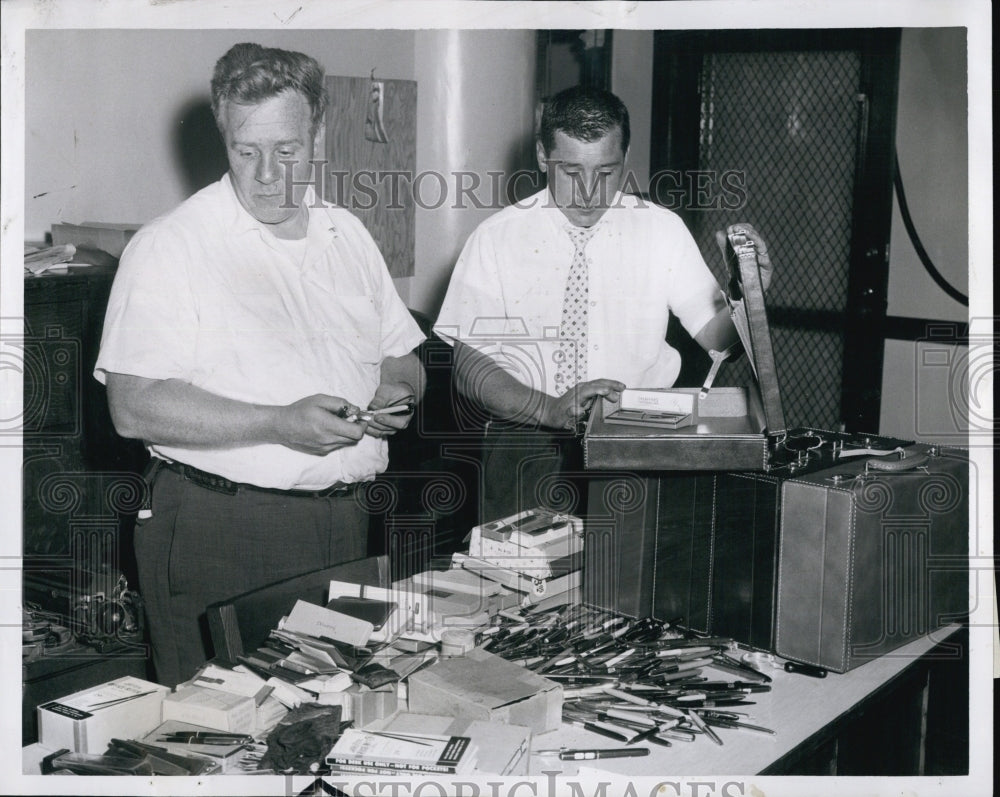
(356, 324)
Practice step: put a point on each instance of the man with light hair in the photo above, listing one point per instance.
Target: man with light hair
(245, 330)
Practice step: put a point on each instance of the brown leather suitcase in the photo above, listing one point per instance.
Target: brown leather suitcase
(841, 561)
(871, 555)
(838, 548)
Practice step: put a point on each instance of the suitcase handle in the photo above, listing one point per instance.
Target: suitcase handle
(897, 465)
(868, 452)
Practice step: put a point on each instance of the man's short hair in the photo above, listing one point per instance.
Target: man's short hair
(249, 74)
(584, 113)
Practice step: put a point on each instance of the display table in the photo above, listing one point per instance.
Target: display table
(807, 715)
(822, 725)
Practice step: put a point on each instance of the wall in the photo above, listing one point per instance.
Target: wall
(933, 154)
(118, 126)
(106, 112)
(475, 114)
(924, 388)
(632, 80)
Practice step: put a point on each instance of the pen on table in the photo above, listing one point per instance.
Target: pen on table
(628, 717)
(628, 697)
(719, 642)
(569, 678)
(204, 738)
(402, 737)
(655, 733)
(207, 734)
(583, 690)
(699, 723)
(594, 659)
(587, 755)
(294, 666)
(596, 644)
(741, 686)
(728, 664)
(681, 676)
(619, 658)
(204, 742)
(626, 709)
(805, 669)
(652, 735)
(711, 694)
(680, 666)
(679, 734)
(688, 650)
(721, 715)
(599, 729)
(683, 663)
(117, 700)
(717, 703)
(723, 723)
(559, 659)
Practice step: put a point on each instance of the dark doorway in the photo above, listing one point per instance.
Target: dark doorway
(791, 131)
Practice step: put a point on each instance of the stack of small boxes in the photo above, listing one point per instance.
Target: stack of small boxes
(537, 552)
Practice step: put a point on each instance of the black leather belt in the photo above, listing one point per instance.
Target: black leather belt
(221, 484)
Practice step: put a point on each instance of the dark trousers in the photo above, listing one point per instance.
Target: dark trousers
(526, 468)
(201, 546)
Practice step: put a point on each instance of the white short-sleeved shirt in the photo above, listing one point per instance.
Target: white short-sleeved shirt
(506, 293)
(207, 295)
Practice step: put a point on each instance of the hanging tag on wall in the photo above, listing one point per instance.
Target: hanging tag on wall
(374, 128)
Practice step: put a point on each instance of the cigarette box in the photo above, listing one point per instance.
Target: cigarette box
(86, 721)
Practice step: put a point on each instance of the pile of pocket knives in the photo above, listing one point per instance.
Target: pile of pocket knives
(632, 680)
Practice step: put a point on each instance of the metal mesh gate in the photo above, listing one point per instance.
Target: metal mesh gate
(786, 125)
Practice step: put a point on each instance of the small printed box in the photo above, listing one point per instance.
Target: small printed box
(538, 541)
(680, 402)
(363, 705)
(212, 708)
(86, 721)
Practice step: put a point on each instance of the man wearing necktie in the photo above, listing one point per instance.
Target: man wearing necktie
(564, 297)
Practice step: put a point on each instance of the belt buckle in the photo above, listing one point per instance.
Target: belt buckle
(337, 490)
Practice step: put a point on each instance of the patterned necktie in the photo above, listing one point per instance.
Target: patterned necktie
(573, 329)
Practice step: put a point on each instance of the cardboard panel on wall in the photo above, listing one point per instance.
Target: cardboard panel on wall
(371, 149)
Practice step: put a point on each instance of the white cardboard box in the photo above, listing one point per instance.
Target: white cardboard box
(652, 400)
(483, 686)
(212, 708)
(86, 721)
(536, 541)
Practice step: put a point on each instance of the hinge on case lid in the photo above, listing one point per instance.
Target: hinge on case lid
(718, 358)
(774, 439)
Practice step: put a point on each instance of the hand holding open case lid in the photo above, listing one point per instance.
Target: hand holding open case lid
(732, 426)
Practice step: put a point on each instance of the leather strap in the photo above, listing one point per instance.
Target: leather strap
(220, 484)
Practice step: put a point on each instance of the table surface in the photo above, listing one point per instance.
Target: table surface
(796, 708)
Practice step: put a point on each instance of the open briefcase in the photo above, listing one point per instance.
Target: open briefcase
(828, 548)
